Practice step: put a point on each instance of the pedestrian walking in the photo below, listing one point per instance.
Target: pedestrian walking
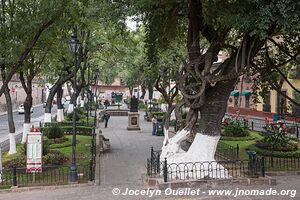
(106, 103)
(106, 117)
(154, 124)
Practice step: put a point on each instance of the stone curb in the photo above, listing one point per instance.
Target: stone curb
(52, 187)
(205, 184)
(283, 173)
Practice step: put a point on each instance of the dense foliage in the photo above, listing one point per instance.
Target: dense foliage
(236, 129)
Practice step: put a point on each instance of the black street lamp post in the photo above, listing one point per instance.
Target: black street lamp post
(96, 73)
(96, 103)
(88, 96)
(74, 46)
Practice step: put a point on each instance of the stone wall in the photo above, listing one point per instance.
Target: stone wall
(18, 95)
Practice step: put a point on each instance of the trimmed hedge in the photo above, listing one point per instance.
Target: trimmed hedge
(67, 143)
(238, 138)
(54, 132)
(267, 146)
(80, 130)
(70, 123)
(279, 154)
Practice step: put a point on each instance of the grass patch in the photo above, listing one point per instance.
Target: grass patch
(244, 144)
(82, 148)
(6, 157)
(83, 144)
(67, 143)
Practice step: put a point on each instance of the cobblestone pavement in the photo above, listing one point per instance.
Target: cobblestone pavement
(123, 167)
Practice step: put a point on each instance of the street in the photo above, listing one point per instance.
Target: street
(36, 117)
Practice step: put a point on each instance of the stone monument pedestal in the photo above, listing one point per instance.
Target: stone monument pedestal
(133, 121)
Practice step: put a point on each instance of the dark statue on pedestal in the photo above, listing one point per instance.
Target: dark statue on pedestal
(134, 104)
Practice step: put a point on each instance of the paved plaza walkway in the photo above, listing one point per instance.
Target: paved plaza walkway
(123, 167)
(126, 161)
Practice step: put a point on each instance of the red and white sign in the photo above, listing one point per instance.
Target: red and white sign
(34, 151)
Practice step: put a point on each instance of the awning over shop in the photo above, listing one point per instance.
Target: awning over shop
(246, 93)
(234, 93)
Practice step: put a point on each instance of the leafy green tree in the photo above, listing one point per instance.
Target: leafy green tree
(239, 28)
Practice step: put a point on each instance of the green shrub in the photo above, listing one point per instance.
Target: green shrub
(69, 117)
(20, 161)
(55, 131)
(279, 154)
(142, 106)
(288, 147)
(54, 157)
(58, 140)
(67, 143)
(247, 138)
(46, 146)
(80, 130)
(236, 129)
(158, 115)
(276, 138)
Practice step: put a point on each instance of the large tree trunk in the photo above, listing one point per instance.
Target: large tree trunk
(53, 91)
(73, 101)
(205, 137)
(82, 100)
(150, 90)
(143, 92)
(130, 90)
(60, 109)
(27, 115)
(11, 125)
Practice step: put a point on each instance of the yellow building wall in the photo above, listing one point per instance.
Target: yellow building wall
(259, 106)
(273, 98)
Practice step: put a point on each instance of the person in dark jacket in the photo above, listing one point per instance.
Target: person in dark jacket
(106, 103)
(106, 117)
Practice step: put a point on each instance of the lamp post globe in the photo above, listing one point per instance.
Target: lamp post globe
(74, 46)
(74, 43)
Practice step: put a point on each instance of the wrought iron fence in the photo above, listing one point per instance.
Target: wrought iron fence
(50, 175)
(153, 163)
(281, 164)
(227, 152)
(204, 170)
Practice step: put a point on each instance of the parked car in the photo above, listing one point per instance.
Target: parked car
(22, 111)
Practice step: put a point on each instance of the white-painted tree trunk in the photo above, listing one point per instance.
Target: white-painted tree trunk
(81, 103)
(166, 134)
(70, 108)
(60, 115)
(47, 118)
(26, 129)
(12, 144)
(200, 156)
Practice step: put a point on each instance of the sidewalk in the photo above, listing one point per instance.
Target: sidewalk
(126, 161)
